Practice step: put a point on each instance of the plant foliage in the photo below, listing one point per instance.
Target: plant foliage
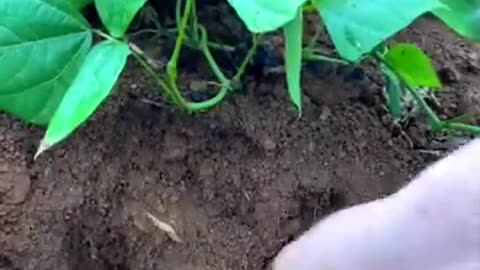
(403, 56)
(358, 26)
(293, 57)
(462, 16)
(93, 83)
(262, 16)
(53, 75)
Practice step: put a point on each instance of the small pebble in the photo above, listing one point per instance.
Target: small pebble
(386, 120)
(5, 185)
(3, 167)
(21, 187)
(198, 85)
(311, 146)
(473, 61)
(325, 114)
(471, 100)
(206, 170)
(175, 148)
(269, 144)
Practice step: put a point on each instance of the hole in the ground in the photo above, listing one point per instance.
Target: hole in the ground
(6, 263)
(316, 204)
(95, 246)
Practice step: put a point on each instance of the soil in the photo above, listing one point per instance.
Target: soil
(234, 184)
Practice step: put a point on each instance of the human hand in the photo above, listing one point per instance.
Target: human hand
(433, 223)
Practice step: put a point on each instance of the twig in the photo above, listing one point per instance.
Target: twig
(156, 64)
(169, 230)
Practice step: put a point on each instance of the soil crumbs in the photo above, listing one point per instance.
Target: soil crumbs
(141, 187)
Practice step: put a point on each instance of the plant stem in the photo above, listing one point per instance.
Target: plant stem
(178, 12)
(465, 117)
(211, 61)
(172, 63)
(191, 44)
(314, 39)
(311, 56)
(103, 35)
(220, 46)
(208, 104)
(215, 68)
(461, 127)
(225, 82)
(432, 117)
(191, 106)
(250, 54)
(160, 83)
(152, 62)
(435, 122)
(195, 21)
(171, 86)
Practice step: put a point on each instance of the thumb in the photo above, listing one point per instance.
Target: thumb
(433, 223)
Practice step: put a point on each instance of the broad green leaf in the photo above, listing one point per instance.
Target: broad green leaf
(42, 45)
(357, 26)
(394, 92)
(80, 4)
(91, 86)
(293, 31)
(69, 8)
(412, 66)
(266, 15)
(117, 15)
(463, 16)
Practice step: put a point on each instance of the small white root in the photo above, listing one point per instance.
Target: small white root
(169, 230)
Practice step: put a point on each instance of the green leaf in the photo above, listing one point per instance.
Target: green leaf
(80, 4)
(67, 7)
(266, 15)
(91, 86)
(42, 45)
(293, 58)
(463, 16)
(117, 15)
(357, 26)
(394, 92)
(412, 65)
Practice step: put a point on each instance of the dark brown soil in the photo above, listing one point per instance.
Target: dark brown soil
(236, 183)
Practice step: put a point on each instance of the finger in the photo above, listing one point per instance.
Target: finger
(432, 223)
